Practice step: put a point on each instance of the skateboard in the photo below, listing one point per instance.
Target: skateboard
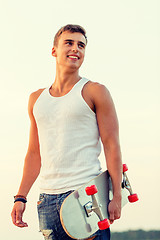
(85, 210)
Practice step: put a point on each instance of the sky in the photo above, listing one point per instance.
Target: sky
(123, 53)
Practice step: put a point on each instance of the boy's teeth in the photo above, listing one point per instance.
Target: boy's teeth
(73, 56)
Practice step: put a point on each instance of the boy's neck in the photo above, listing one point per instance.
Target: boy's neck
(65, 80)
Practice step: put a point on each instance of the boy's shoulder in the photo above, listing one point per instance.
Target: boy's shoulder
(33, 97)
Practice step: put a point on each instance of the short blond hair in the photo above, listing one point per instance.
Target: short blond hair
(70, 28)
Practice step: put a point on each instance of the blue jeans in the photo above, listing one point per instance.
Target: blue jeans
(49, 220)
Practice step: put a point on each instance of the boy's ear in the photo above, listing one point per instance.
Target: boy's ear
(54, 52)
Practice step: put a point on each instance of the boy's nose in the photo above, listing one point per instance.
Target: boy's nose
(75, 48)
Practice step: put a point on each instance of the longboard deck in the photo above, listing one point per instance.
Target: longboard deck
(73, 215)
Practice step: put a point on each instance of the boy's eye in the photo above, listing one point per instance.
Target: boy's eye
(69, 43)
(81, 45)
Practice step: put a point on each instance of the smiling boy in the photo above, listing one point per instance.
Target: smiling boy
(68, 120)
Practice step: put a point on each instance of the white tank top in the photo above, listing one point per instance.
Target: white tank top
(69, 140)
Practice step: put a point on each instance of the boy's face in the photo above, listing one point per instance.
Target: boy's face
(70, 50)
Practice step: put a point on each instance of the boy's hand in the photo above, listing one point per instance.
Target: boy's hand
(114, 209)
(17, 213)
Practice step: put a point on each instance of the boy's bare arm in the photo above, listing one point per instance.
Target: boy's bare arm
(31, 169)
(109, 132)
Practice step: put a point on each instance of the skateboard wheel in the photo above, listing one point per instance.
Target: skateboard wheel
(133, 198)
(91, 190)
(103, 224)
(125, 168)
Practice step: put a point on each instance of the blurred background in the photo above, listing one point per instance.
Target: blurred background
(123, 53)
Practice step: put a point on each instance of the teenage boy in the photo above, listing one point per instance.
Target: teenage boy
(68, 120)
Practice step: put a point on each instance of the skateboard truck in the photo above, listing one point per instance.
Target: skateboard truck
(126, 184)
(93, 206)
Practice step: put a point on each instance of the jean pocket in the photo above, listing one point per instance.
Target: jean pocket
(41, 200)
